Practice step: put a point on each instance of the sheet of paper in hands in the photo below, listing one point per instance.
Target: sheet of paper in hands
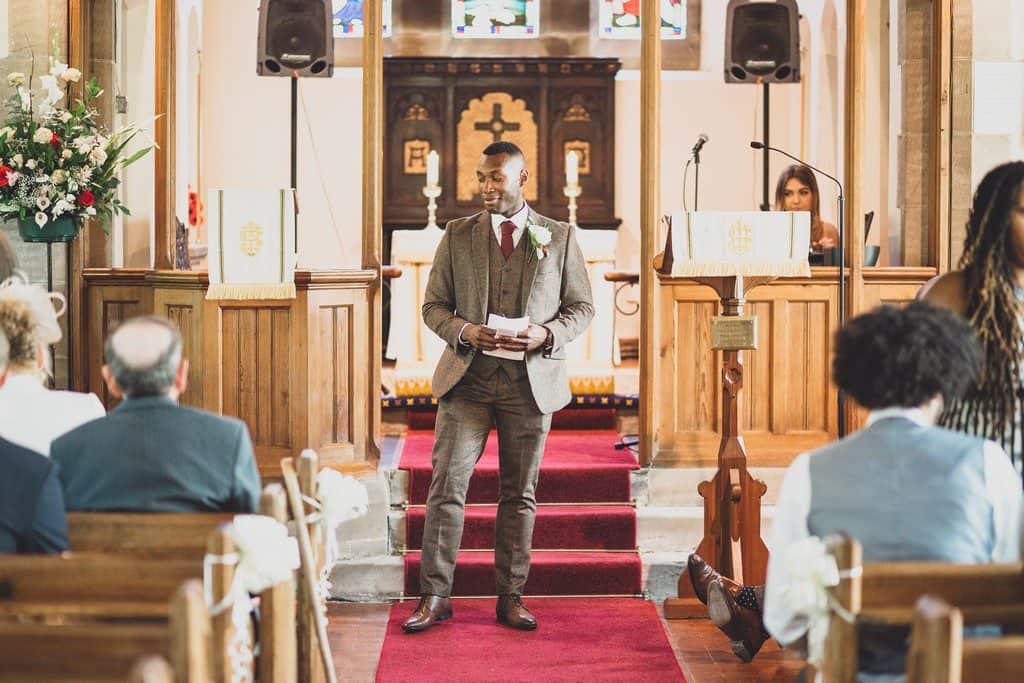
(507, 327)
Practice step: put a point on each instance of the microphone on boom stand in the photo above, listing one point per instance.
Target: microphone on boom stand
(695, 158)
(840, 261)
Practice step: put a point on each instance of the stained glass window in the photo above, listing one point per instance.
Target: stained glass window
(348, 18)
(621, 19)
(496, 18)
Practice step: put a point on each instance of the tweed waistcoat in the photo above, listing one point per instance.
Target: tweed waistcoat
(906, 492)
(504, 297)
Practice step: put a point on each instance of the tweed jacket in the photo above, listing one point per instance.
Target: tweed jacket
(556, 295)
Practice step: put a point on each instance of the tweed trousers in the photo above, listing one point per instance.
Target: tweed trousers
(464, 419)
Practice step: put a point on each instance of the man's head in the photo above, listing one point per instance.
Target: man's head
(502, 175)
(906, 357)
(144, 359)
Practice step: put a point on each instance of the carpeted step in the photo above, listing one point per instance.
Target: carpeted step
(611, 640)
(584, 527)
(578, 467)
(566, 418)
(552, 572)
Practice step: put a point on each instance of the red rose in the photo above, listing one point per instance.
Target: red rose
(86, 198)
(55, 141)
(4, 171)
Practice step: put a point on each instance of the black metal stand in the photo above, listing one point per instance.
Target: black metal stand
(49, 288)
(295, 150)
(696, 177)
(69, 321)
(766, 204)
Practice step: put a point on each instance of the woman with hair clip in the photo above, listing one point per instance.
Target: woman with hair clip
(797, 190)
(988, 290)
(30, 414)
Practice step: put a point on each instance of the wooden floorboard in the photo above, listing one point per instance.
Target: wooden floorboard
(356, 632)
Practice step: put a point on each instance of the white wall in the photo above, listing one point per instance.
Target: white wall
(998, 117)
(246, 124)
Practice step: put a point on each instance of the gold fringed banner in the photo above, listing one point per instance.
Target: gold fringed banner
(275, 291)
(252, 244)
(748, 243)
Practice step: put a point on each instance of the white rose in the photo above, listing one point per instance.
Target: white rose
(66, 154)
(30, 164)
(41, 219)
(541, 235)
(58, 176)
(83, 144)
(71, 75)
(43, 203)
(42, 135)
(98, 155)
(15, 78)
(91, 211)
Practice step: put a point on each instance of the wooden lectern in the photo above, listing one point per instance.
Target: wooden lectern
(732, 252)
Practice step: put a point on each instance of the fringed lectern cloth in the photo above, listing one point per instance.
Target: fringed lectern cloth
(252, 244)
(747, 243)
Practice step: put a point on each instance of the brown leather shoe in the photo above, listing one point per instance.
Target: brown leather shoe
(512, 612)
(743, 626)
(432, 609)
(702, 574)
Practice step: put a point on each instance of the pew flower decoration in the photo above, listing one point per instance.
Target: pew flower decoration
(59, 163)
(341, 499)
(266, 553)
(540, 238)
(810, 572)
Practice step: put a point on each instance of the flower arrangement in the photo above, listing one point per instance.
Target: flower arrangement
(59, 164)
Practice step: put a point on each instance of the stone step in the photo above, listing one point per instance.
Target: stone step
(374, 579)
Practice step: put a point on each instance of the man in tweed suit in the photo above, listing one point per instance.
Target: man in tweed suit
(511, 261)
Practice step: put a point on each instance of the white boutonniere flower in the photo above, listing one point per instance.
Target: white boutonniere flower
(540, 238)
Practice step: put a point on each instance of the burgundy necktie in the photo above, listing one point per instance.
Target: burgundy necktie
(507, 228)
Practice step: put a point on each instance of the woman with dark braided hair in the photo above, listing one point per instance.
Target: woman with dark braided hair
(988, 290)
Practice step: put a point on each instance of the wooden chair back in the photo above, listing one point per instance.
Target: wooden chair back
(102, 651)
(156, 535)
(885, 593)
(939, 653)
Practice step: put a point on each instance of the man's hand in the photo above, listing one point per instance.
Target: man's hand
(533, 337)
(480, 337)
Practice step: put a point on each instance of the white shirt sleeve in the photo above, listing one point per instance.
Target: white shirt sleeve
(788, 525)
(462, 340)
(1004, 493)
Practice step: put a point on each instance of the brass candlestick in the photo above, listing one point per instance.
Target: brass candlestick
(572, 192)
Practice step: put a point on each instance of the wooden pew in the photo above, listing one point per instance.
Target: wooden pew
(110, 651)
(885, 594)
(79, 590)
(311, 667)
(178, 542)
(939, 653)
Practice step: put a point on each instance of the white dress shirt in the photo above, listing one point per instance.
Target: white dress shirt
(32, 416)
(789, 523)
(519, 218)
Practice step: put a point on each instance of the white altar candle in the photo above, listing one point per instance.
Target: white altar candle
(572, 169)
(432, 168)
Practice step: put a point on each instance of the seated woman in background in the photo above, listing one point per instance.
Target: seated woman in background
(988, 290)
(31, 415)
(797, 190)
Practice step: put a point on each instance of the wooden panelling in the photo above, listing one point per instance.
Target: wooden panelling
(293, 369)
(788, 403)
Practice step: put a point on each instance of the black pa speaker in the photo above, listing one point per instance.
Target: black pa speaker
(762, 42)
(295, 38)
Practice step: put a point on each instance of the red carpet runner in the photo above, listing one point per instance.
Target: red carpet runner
(579, 639)
(585, 549)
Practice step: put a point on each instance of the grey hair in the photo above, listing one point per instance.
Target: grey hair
(5, 351)
(151, 379)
